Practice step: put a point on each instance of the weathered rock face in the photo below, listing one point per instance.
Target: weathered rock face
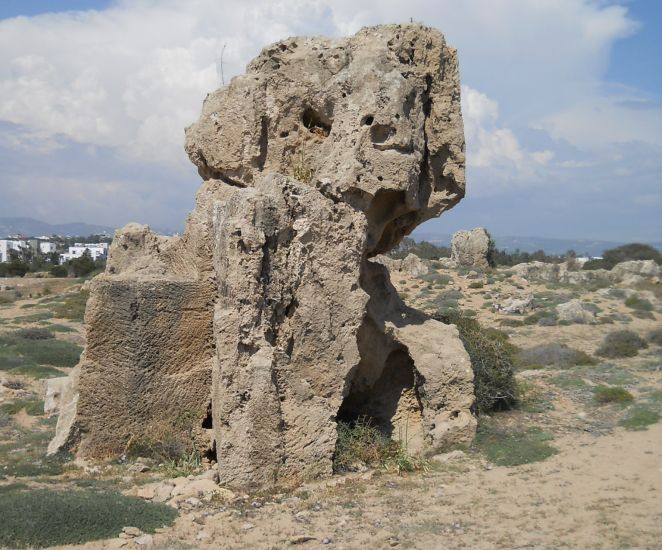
(470, 248)
(268, 309)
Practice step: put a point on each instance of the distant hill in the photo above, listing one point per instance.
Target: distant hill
(531, 244)
(35, 228)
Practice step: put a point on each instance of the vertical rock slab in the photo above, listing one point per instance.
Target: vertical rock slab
(326, 153)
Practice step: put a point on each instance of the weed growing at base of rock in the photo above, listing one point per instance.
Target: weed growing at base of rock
(491, 360)
(609, 394)
(360, 443)
(40, 518)
(621, 343)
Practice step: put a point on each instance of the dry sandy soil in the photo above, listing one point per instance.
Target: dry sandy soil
(599, 486)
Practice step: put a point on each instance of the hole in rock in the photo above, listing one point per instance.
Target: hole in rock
(210, 454)
(316, 123)
(207, 421)
(368, 120)
(387, 400)
(379, 133)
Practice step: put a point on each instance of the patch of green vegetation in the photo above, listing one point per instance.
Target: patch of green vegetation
(72, 307)
(35, 317)
(27, 306)
(360, 442)
(41, 518)
(34, 407)
(491, 357)
(469, 313)
(540, 315)
(37, 371)
(531, 399)
(60, 328)
(476, 284)
(568, 381)
(436, 278)
(33, 333)
(511, 447)
(57, 353)
(639, 314)
(639, 417)
(511, 323)
(611, 394)
(621, 343)
(558, 355)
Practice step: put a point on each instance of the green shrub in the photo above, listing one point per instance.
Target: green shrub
(555, 354)
(639, 417)
(621, 343)
(33, 334)
(59, 271)
(360, 442)
(60, 328)
(41, 518)
(491, 360)
(435, 278)
(35, 317)
(36, 371)
(511, 447)
(611, 394)
(639, 304)
(476, 284)
(655, 337)
(535, 318)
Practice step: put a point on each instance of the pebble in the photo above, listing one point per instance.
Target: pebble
(132, 531)
(247, 526)
(144, 540)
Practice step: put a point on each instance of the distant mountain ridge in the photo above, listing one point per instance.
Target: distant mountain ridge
(531, 244)
(30, 227)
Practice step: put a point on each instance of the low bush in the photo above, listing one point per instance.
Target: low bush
(491, 360)
(621, 343)
(549, 315)
(639, 417)
(555, 354)
(41, 518)
(639, 304)
(476, 284)
(34, 407)
(360, 443)
(59, 271)
(511, 447)
(655, 337)
(611, 394)
(33, 334)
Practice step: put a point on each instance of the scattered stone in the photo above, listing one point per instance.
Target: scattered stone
(144, 540)
(247, 526)
(301, 539)
(575, 311)
(517, 305)
(132, 531)
(138, 468)
(450, 456)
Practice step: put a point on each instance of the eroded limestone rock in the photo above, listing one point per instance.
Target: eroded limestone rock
(471, 248)
(268, 312)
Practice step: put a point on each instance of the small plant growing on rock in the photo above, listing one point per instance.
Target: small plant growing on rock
(621, 343)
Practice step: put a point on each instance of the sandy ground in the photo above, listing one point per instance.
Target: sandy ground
(602, 490)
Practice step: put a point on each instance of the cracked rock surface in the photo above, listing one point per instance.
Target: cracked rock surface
(266, 322)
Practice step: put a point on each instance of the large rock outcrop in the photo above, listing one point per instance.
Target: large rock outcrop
(267, 321)
(471, 248)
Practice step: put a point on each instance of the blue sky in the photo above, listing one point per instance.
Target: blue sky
(562, 104)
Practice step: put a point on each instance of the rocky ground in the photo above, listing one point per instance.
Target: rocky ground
(576, 465)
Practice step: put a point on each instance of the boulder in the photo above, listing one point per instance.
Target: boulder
(575, 311)
(521, 305)
(410, 265)
(267, 321)
(54, 389)
(471, 248)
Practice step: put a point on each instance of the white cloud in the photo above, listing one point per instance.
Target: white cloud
(131, 77)
(492, 146)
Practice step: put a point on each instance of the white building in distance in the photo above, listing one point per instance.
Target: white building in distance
(46, 247)
(96, 250)
(8, 244)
